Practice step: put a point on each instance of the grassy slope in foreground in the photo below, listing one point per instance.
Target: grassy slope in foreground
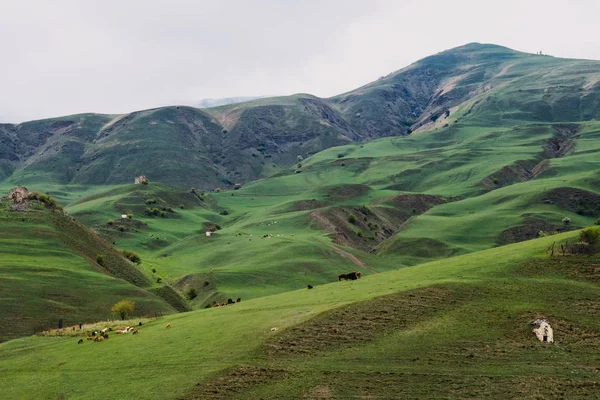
(162, 363)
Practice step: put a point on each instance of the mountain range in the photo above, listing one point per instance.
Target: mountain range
(237, 143)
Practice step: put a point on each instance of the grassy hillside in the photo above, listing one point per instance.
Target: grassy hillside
(373, 207)
(454, 328)
(49, 271)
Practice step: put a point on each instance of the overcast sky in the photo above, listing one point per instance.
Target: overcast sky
(114, 56)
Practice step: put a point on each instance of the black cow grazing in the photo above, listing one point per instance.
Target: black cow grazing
(238, 300)
(105, 335)
(229, 301)
(80, 341)
(140, 324)
(310, 286)
(352, 276)
(342, 276)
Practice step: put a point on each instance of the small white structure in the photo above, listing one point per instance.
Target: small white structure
(543, 331)
(124, 216)
(140, 180)
(208, 233)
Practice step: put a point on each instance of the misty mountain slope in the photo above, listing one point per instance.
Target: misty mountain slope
(476, 84)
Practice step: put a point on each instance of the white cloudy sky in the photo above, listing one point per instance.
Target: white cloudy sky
(112, 56)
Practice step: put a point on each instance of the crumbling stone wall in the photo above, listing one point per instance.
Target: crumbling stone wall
(18, 196)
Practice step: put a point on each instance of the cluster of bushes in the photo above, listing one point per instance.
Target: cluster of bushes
(200, 195)
(48, 201)
(159, 212)
(132, 256)
(590, 235)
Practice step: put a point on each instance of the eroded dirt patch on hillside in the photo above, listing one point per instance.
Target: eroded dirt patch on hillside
(363, 322)
(561, 144)
(365, 227)
(236, 381)
(576, 200)
(530, 230)
(305, 205)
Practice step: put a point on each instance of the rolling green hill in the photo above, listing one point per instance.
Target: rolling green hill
(49, 271)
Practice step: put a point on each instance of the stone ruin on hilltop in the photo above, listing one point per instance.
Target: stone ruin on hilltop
(140, 180)
(18, 196)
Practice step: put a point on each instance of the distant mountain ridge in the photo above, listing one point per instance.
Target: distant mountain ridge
(210, 102)
(480, 84)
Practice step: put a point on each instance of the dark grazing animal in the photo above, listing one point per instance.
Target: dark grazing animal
(310, 286)
(238, 300)
(342, 276)
(80, 341)
(352, 276)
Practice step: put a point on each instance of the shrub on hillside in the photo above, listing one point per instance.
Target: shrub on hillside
(566, 220)
(590, 235)
(123, 308)
(192, 294)
(45, 199)
(352, 218)
(132, 256)
(152, 212)
(100, 259)
(224, 212)
(597, 222)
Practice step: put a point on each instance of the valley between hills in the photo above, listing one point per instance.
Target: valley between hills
(461, 187)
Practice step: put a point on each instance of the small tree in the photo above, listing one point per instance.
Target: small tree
(132, 256)
(566, 220)
(100, 259)
(123, 308)
(590, 235)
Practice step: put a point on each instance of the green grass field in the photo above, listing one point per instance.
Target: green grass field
(468, 328)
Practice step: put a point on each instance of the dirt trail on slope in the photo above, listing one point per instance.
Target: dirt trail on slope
(355, 260)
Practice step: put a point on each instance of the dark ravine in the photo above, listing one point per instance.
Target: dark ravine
(561, 144)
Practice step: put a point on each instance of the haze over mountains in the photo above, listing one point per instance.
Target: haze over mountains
(237, 143)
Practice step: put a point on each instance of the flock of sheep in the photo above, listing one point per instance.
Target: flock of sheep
(99, 336)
